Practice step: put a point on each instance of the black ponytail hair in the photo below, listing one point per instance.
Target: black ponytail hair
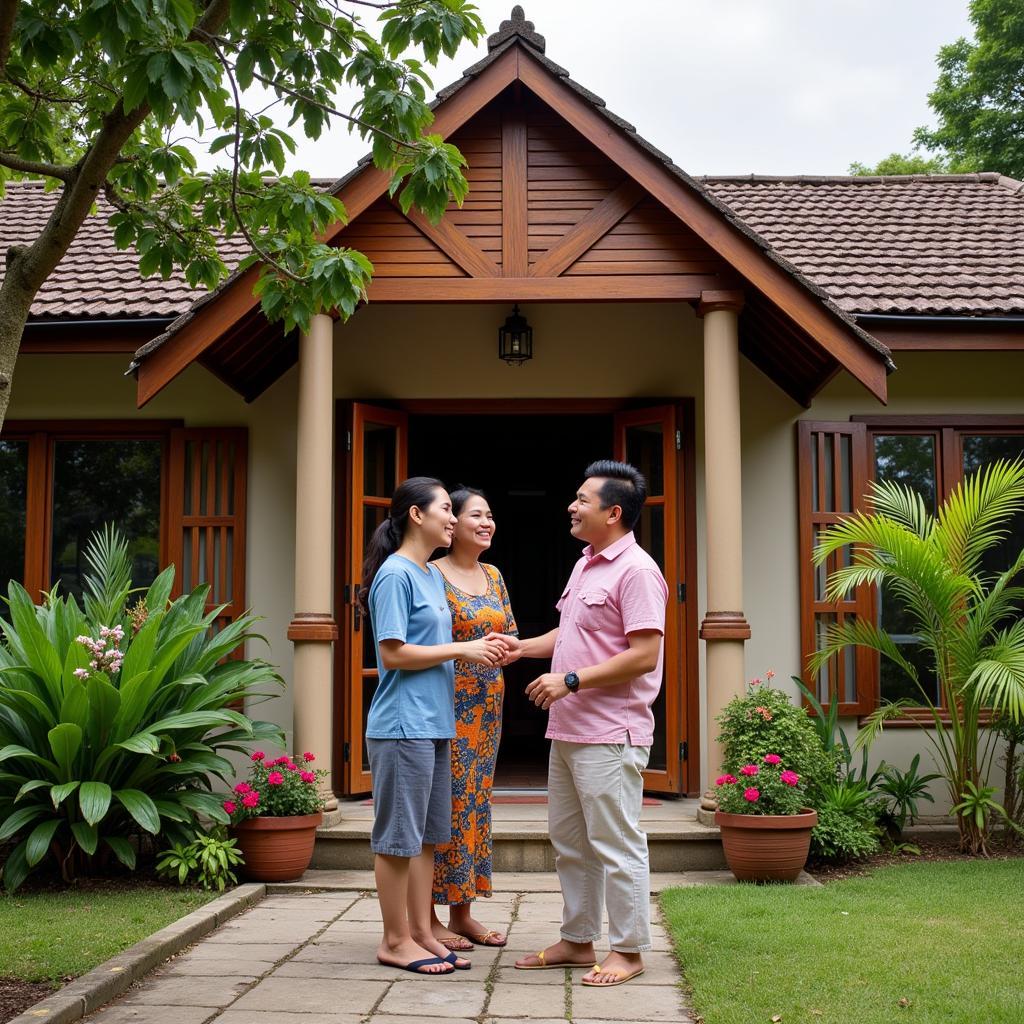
(420, 491)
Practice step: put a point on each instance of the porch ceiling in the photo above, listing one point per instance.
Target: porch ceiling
(566, 204)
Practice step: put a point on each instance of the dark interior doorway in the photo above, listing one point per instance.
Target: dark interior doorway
(529, 466)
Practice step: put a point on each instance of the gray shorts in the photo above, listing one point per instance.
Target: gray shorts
(412, 795)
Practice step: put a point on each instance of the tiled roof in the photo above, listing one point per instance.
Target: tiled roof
(95, 279)
(919, 244)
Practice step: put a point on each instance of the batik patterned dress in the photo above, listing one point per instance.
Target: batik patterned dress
(462, 868)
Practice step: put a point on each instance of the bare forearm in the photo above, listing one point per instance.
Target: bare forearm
(410, 657)
(631, 663)
(539, 646)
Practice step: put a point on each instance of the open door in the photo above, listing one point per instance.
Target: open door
(651, 440)
(377, 441)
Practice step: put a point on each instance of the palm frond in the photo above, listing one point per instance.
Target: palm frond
(902, 504)
(108, 579)
(859, 633)
(875, 722)
(997, 680)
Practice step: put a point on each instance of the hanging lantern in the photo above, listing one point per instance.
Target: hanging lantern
(515, 339)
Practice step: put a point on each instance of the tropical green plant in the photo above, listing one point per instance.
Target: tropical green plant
(967, 621)
(840, 836)
(767, 787)
(278, 788)
(899, 792)
(113, 720)
(207, 861)
(1013, 775)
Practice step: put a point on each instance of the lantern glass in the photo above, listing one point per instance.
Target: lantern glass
(515, 339)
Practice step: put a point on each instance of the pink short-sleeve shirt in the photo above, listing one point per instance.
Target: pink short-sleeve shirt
(616, 592)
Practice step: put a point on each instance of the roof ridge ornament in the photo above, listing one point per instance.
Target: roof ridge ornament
(517, 25)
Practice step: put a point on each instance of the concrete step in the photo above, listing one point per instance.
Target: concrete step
(676, 840)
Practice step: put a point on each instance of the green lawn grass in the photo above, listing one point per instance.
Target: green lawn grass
(946, 937)
(47, 936)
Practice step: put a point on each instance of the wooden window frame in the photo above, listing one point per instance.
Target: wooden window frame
(948, 431)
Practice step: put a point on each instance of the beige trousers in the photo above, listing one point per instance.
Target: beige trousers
(595, 792)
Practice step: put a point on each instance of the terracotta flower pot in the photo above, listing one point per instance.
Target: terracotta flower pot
(277, 849)
(766, 847)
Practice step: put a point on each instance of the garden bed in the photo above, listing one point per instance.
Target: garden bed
(933, 941)
(50, 936)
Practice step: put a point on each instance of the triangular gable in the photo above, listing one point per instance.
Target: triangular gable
(557, 184)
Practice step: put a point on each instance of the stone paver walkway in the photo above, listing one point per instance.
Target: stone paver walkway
(309, 958)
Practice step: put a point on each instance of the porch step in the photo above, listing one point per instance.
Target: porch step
(676, 840)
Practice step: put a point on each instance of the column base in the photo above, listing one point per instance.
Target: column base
(313, 626)
(724, 626)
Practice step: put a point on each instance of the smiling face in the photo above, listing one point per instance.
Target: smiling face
(587, 520)
(475, 529)
(435, 520)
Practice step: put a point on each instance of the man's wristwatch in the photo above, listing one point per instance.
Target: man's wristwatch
(572, 682)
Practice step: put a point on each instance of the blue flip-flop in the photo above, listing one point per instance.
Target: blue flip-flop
(453, 959)
(415, 965)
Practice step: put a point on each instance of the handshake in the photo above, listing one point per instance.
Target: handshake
(495, 650)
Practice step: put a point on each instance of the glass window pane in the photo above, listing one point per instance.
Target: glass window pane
(379, 466)
(979, 451)
(658, 760)
(13, 490)
(644, 450)
(97, 482)
(895, 684)
(908, 459)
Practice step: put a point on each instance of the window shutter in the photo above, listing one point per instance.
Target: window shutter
(206, 515)
(833, 480)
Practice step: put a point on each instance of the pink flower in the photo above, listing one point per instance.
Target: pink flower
(81, 673)
(307, 756)
(725, 780)
(770, 674)
(752, 795)
(242, 788)
(251, 799)
(283, 759)
(258, 755)
(230, 806)
(789, 778)
(772, 759)
(292, 767)
(275, 778)
(756, 681)
(749, 769)
(267, 764)
(308, 777)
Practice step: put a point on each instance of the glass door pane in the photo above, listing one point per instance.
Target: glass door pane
(13, 496)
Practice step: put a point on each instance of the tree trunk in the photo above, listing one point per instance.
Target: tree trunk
(15, 301)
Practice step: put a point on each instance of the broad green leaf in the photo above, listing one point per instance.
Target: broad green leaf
(141, 743)
(141, 807)
(75, 706)
(60, 793)
(123, 850)
(94, 800)
(19, 819)
(29, 786)
(39, 841)
(13, 750)
(65, 741)
(86, 836)
(205, 803)
(104, 701)
(15, 868)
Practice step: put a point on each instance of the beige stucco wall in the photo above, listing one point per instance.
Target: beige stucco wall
(595, 350)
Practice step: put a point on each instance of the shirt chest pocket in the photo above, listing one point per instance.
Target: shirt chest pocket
(595, 610)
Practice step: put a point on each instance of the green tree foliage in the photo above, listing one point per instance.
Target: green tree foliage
(904, 163)
(105, 97)
(979, 94)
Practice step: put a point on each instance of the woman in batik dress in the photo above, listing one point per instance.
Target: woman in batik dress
(480, 605)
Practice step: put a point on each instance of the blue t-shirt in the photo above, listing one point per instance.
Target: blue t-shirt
(408, 603)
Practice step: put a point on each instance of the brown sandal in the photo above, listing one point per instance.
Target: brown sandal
(457, 944)
(484, 938)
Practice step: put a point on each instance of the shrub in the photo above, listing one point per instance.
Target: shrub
(840, 836)
(277, 788)
(766, 721)
(114, 719)
(769, 787)
(207, 861)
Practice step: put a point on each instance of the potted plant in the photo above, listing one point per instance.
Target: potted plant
(275, 814)
(766, 827)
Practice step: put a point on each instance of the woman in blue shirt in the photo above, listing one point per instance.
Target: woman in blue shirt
(411, 719)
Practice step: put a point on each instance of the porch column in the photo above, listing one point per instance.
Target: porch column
(724, 627)
(313, 630)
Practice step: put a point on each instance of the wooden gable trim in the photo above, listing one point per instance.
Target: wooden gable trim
(454, 244)
(968, 337)
(515, 229)
(588, 230)
(730, 243)
(230, 305)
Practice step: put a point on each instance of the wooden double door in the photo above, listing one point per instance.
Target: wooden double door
(528, 457)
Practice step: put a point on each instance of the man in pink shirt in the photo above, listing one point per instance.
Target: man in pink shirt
(606, 666)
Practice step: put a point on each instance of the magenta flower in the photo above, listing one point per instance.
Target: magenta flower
(749, 769)
(725, 780)
(292, 767)
(230, 806)
(307, 756)
(789, 778)
(275, 778)
(751, 794)
(283, 759)
(258, 755)
(308, 777)
(242, 788)
(772, 759)
(251, 799)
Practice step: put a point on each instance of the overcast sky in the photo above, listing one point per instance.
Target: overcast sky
(734, 86)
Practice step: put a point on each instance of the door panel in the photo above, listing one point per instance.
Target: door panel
(378, 443)
(650, 439)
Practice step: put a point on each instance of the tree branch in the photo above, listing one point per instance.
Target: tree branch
(8, 15)
(62, 172)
